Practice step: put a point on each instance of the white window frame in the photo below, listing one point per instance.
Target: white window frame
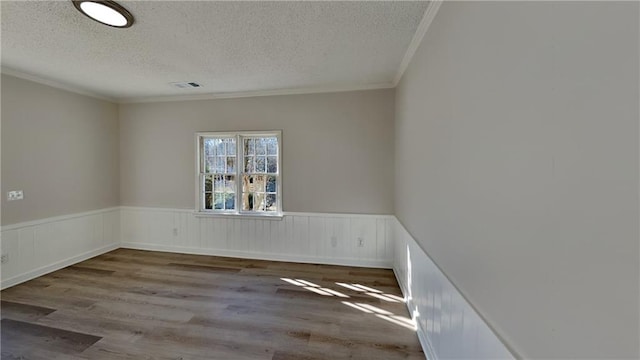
(239, 136)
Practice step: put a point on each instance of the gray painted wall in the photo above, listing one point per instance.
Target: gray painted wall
(60, 148)
(337, 148)
(517, 168)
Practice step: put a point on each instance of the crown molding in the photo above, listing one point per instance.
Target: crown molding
(244, 94)
(53, 83)
(210, 96)
(429, 14)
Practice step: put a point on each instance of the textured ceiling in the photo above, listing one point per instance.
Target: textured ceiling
(230, 46)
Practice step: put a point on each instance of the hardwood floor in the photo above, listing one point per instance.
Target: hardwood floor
(130, 304)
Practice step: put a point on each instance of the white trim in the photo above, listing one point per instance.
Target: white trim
(422, 337)
(260, 216)
(638, 150)
(56, 266)
(259, 256)
(56, 218)
(428, 349)
(256, 93)
(340, 215)
(429, 14)
(209, 96)
(157, 209)
(54, 83)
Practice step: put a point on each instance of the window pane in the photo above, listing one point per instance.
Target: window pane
(230, 201)
(261, 146)
(260, 164)
(231, 146)
(208, 147)
(220, 148)
(219, 164)
(248, 164)
(229, 184)
(247, 201)
(271, 203)
(209, 164)
(272, 164)
(271, 184)
(258, 201)
(259, 182)
(253, 183)
(253, 187)
(218, 201)
(247, 183)
(208, 201)
(272, 146)
(218, 185)
(249, 147)
(231, 165)
(208, 185)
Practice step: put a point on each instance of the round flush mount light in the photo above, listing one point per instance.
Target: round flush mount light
(105, 12)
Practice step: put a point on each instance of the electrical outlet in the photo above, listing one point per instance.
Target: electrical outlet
(175, 231)
(14, 195)
(360, 242)
(4, 258)
(334, 241)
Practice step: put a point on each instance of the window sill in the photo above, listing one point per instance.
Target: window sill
(239, 216)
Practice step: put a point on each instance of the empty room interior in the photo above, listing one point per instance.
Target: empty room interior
(320, 180)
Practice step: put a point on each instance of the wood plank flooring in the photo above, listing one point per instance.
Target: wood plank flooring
(130, 304)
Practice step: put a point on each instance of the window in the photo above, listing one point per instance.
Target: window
(239, 173)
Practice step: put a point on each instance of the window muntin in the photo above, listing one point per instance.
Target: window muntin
(252, 157)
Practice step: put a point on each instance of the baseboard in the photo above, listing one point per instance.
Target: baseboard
(427, 348)
(258, 256)
(56, 266)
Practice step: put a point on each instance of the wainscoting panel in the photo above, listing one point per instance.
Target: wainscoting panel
(298, 237)
(35, 248)
(447, 326)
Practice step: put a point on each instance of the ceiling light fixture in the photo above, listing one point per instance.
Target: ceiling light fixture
(105, 12)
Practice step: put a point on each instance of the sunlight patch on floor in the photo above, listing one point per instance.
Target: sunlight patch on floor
(399, 320)
(363, 307)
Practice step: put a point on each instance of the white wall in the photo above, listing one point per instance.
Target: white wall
(35, 248)
(517, 169)
(298, 237)
(337, 148)
(60, 148)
